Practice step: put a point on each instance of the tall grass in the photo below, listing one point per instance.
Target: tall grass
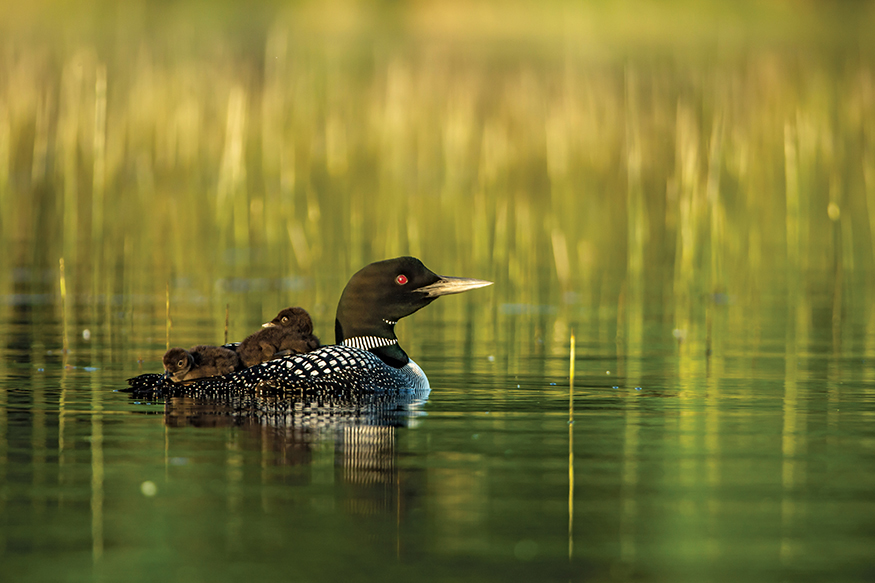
(186, 154)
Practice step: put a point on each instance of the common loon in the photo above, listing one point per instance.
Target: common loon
(199, 362)
(366, 356)
(291, 332)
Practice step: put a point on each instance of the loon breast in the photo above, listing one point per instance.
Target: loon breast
(416, 376)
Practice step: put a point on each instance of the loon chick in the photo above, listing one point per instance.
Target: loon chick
(293, 319)
(291, 332)
(367, 356)
(199, 362)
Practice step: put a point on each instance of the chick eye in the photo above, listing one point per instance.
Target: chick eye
(285, 319)
(180, 363)
(401, 279)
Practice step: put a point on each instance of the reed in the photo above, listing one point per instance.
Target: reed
(571, 449)
(558, 173)
(168, 321)
(227, 318)
(64, 307)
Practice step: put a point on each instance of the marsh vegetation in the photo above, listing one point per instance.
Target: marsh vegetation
(689, 190)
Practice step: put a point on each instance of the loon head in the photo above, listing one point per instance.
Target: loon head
(177, 362)
(292, 319)
(382, 293)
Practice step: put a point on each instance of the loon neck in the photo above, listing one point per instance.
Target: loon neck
(379, 339)
(392, 355)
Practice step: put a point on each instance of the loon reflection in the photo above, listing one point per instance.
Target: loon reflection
(293, 431)
(319, 414)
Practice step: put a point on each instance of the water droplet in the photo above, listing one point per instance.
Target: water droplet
(148, 488)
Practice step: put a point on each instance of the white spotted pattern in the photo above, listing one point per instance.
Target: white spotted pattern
(327, 368)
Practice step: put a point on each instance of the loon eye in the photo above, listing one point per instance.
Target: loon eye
(285, 319)
(181, 363)
(401, 279)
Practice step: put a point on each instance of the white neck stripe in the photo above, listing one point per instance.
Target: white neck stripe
(369, 342)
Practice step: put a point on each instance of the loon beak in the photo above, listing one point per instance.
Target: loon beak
(452, 285)
(268, 325)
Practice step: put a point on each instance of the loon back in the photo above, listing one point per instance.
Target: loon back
(334, 368)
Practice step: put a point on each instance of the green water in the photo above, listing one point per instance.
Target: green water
(755, 461)
(688, 191)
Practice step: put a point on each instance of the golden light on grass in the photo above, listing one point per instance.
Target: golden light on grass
(184, 154)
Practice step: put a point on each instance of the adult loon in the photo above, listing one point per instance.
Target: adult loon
(366, 356)
(291, 332)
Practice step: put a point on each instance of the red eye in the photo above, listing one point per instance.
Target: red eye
(401, 279)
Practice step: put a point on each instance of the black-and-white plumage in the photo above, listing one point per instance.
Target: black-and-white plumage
(367, 356)
(326, 369)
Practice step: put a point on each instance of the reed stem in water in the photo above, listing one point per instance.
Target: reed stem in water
(227, 317)
(167, 296)
(571, 452)
(64, 305)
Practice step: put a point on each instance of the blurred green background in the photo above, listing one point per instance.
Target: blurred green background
(688, 186)
(702, 145)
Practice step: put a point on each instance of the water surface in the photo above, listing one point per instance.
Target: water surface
(753, 461)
